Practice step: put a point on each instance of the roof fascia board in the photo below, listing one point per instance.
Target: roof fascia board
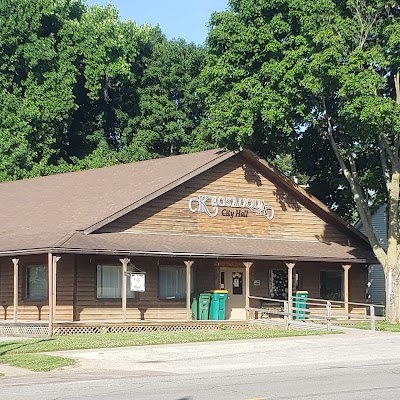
(288, 183)
(111, 252)
(159, 192)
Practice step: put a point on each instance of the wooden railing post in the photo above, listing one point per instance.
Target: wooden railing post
(247, 288)
(188, 287)
(286, 315)
(124, 262)
(16, 287)
(372, 316)
(346, 268)
(290, 266)
(328, 315)
(50, 266)
(56, 259)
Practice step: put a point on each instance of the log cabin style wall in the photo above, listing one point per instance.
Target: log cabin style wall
(77, 297)
(170, 212)
(295, 218)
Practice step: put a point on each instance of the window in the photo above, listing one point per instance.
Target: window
(278, 283)
(36, 282)
(331, 285)
(237, 283)
(109, 282)
(172, 281)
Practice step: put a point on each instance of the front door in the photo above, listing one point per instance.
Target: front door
(233, 280)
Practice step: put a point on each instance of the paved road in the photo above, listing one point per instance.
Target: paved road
(349, 366)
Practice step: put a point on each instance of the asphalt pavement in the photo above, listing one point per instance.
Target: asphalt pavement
(356, 365)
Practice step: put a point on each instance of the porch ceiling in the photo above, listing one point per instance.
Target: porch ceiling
(214, 247)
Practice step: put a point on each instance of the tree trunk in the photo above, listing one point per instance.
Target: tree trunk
(392, 279)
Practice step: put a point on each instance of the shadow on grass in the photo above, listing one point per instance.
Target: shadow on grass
(7, 347)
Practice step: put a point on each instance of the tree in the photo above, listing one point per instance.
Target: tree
(81, 89)
(169, 107)
(300, 71)
(36, 96)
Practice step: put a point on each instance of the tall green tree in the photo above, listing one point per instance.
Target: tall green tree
(102, 52)
(36, 94)
(169, 106)
(291, 71)
(80, 89)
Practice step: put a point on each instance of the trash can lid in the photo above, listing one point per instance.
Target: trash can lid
(218, 291)
(302, 292)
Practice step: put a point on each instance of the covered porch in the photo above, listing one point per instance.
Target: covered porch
(60, 293)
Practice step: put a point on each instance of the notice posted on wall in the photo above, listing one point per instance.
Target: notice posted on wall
(138, 282)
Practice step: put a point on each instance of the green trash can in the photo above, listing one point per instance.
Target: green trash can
(204, 306)
(195, 306)
(300, 305)
(218, 303)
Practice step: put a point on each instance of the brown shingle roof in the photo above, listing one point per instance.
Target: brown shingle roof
(50, 214)
(39, 212)
(214, 247)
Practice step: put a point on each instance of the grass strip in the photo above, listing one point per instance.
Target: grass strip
(379, 326)
(23, 353)
(36, 362)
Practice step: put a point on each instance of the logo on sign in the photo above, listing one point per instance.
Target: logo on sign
(211, 206)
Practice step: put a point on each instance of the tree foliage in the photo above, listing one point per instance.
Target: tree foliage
(321, 76)
(80, 89)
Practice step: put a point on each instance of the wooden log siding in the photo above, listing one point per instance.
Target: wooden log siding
(170, 212)
(145, 306)
(33, 310)
(25, 311)
(309, 278)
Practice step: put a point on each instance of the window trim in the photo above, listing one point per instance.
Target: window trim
(130, 295)
(44, 299)
(294, 272)
(171, 299)
(342, 284)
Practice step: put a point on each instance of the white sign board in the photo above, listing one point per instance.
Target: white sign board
(138, 282)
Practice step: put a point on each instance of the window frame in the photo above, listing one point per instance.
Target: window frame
(296, 281)
(129, 294)
(341, 272)
(27, 285)
(176, 267)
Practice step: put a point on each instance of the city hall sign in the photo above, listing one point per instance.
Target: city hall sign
(230, 207)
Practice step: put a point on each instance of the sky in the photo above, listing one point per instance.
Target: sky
(186, 19)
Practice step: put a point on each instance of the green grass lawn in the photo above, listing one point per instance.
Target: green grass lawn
(379, 326)
(27, 353)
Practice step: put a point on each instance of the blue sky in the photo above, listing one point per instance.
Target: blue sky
(185, 19)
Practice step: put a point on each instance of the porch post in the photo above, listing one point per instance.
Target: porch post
(290, 266)
(124, 262)
(188, 287)
(56, 259)
(50, 290)
(247, 287)
(346, 268)
(16, 282)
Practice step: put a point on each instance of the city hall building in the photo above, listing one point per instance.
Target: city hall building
(131, 243)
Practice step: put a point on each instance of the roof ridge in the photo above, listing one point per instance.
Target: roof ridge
(117, 165)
